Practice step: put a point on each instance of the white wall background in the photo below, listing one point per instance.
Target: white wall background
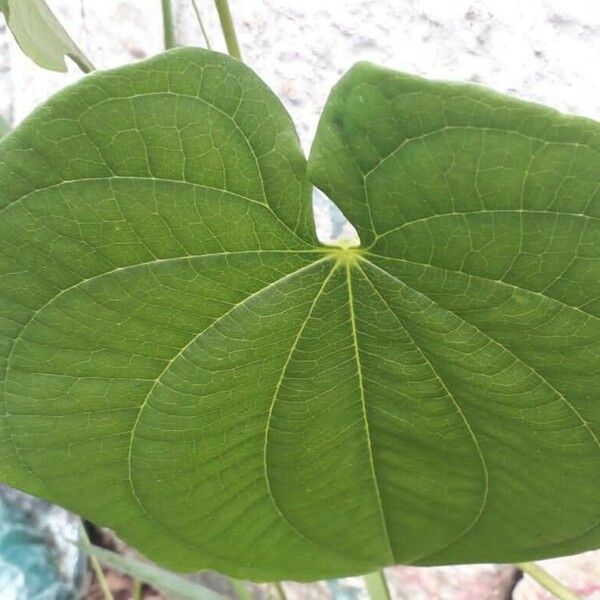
(543, 50)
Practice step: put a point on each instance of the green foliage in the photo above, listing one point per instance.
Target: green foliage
(41, 36)
(183, 361)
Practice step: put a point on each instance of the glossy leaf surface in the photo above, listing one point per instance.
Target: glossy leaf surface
(183, 361)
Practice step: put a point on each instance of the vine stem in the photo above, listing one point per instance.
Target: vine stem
(280, 592)
(547, 581)
(201, 23)
(168, 29)
(377, 586)
(137, 589)
(240, 589)
(95, 565)
(228, 29)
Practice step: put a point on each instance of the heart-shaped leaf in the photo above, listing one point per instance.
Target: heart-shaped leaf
(183, 361)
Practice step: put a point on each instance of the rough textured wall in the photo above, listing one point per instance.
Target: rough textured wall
(542, 50)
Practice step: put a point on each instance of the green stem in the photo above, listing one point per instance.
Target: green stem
(168, 30)
(96, 565)
(84, 65)
(240, 589)
(547, 581)
(228, 29)
(377, 586)
(201, 23)
(172, 584)
(137, 589)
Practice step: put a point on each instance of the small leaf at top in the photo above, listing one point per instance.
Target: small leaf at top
(41, 36)
(184, 362)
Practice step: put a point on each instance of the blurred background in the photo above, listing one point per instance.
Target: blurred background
(542, 50)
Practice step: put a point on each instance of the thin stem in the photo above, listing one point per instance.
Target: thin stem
(96, 565)
(228, 29)
(84, 65)
(547, 581)
(281, 595)
(240, 589)
(201, 23)
(168, 29)
(377, 586)
(137, 589)
(174, 585)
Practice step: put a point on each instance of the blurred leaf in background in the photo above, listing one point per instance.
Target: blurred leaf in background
(41, 36)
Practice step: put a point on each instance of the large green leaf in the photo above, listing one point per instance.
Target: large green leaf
(183, 361)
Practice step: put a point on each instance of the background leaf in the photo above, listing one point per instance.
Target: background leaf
(41, 36)
(184, 362)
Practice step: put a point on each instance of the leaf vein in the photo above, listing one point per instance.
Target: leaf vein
(486, 475)
(365, 418)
